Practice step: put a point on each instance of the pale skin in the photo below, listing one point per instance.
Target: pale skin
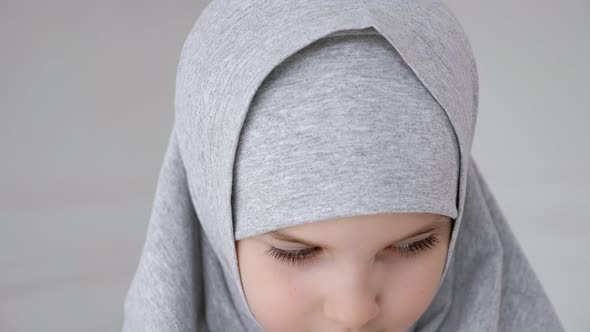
(372, 273)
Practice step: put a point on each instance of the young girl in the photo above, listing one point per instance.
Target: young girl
(319, 178)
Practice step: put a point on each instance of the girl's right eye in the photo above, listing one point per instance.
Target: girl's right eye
(295, 257)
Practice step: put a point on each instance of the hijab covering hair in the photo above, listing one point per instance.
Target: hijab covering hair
(342, 128)
(288, 112)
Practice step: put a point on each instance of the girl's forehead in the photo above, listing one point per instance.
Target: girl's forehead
(387, 226)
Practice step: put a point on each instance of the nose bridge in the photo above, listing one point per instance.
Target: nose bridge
(352, 298)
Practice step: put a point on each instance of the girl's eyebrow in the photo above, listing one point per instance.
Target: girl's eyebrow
(282, 236)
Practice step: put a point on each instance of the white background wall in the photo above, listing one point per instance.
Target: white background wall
(86, 104)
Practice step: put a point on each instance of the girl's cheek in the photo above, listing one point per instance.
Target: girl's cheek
(412, 285)
(282, 298)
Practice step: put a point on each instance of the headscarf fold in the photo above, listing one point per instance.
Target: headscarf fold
(187, 278)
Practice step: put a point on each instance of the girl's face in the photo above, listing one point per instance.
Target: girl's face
(357, 274)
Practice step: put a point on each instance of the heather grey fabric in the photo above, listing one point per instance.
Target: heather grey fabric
(342, 128)
(187, 277)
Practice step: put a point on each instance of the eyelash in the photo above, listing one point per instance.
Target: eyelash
(299, 257)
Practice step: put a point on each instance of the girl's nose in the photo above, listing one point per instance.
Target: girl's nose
(351, 306)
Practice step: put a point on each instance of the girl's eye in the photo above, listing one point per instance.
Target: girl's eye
(295, 257)
(412, 248)
(299, 257)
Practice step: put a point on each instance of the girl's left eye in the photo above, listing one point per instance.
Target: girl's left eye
(299, 257)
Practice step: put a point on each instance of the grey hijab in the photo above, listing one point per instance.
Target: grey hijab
(243, 101)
